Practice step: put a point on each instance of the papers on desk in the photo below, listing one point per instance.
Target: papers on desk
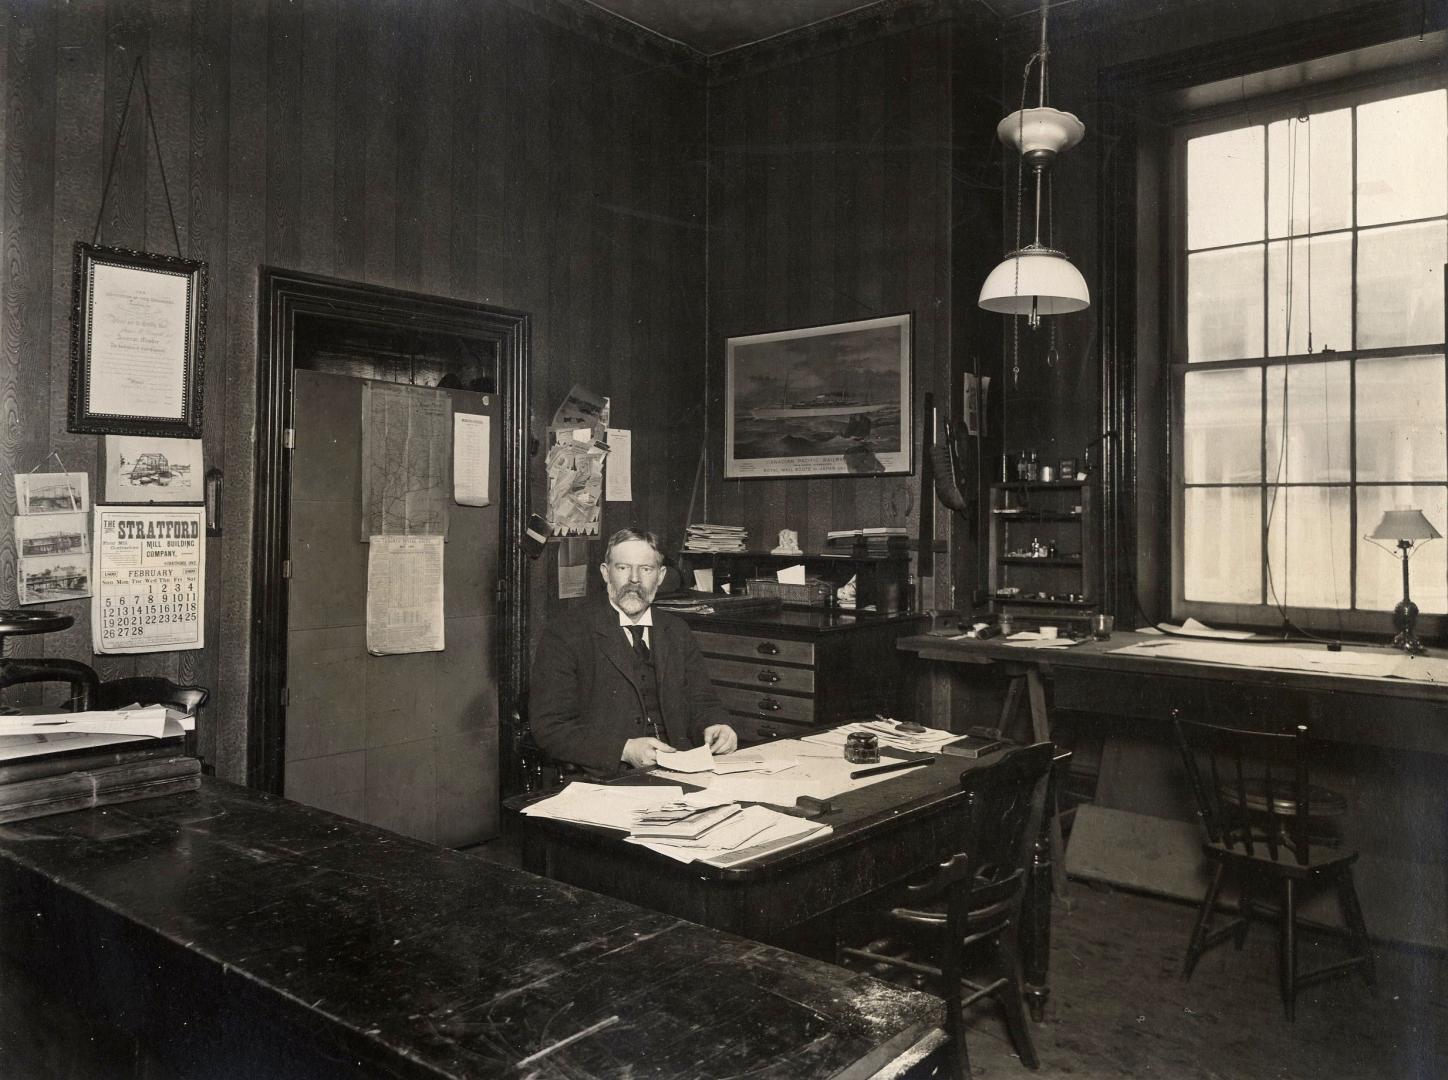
(16, 745)
(1029, 639)
(148, 721)
(888, 732)
(701, 826)
(753, 831)
(608, 805)
(1194, 628)
(1378, 663)
(701, 759)
(817, 767)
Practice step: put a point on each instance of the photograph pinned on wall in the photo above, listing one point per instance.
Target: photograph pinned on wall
(52, 534)
(47, 579)
(145, 468)
(820, 401)
(52, 493)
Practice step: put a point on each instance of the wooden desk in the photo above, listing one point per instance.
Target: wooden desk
(882, 835)
(1403, 721)
(235, 934)
(1094, 677)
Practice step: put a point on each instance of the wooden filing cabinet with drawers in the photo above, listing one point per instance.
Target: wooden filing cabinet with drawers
(784, 673)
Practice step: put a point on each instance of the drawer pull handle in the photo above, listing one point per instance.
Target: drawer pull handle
(768, 704)
(768, 648)
(768, 676)
(769, 733)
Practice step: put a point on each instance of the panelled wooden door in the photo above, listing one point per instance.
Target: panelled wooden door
(410, 742)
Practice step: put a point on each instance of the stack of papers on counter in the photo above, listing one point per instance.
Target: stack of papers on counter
(148, 721)
(702, 536)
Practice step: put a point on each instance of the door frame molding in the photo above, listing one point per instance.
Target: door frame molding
(281, 296)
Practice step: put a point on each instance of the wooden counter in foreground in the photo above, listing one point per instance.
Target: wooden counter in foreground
(235, 934)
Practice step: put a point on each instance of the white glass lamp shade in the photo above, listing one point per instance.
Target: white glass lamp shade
(1035, 280)
(1041, 131)
(1404, 524)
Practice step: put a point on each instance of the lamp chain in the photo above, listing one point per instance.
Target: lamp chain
(1020, 210)
(1051, 355)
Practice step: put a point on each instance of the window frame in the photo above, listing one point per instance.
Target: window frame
(1264, 111)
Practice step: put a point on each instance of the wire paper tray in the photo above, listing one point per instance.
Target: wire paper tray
(810, 594)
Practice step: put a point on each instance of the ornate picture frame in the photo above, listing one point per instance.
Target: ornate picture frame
(137, 343)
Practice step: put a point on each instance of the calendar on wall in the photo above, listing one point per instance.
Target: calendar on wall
(149, 579)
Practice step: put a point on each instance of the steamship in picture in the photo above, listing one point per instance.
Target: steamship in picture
(826, 400)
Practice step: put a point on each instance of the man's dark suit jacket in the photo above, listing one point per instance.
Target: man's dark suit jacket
(584, 701)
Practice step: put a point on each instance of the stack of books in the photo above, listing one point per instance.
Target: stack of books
(704, 537)
(877, 542)
(55, 763)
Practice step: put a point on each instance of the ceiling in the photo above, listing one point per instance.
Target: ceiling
(715, 26)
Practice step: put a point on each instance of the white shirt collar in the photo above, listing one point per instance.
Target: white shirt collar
(646, 619)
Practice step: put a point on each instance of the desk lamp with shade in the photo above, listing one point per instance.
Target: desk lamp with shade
(1405, 527)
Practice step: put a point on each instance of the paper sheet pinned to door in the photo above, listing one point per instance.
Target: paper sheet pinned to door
(470, 458)
(404, 595)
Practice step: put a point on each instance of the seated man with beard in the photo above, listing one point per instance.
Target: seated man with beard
(613, 684)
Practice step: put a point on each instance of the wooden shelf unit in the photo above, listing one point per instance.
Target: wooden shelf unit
(1059, 587)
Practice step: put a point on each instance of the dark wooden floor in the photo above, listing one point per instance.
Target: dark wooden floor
(1119, 1007)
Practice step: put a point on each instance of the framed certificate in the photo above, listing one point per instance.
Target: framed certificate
(137, 343)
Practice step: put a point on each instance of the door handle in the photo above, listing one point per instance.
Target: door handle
(768, 676)
(767, 648)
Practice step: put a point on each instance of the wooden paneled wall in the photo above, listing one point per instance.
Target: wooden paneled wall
(829, 202)
(835, 194)
(523, 153)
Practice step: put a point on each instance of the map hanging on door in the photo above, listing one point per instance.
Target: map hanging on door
(406, 454)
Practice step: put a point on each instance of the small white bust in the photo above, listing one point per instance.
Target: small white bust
(788, 543)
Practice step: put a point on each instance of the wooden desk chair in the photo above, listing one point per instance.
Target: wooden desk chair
(1254, 798)
(537, 771)
(81, 678)
(154, 690)
(975, 897)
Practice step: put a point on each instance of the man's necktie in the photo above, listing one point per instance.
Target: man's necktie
(640, 646)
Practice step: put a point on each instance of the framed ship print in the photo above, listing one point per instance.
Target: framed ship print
(822, 401)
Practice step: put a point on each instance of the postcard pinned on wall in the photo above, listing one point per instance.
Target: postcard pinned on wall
(54, 558)
(52, 493)
(145, 468)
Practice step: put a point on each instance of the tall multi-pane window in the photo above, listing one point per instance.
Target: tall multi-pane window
(1309, 353)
